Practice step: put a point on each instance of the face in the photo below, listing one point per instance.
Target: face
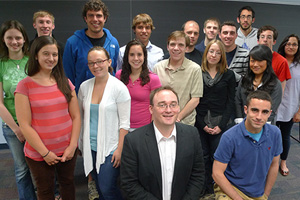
(136, 57)
(95, 21)
(214, 54)
(228, 35)
(165, 108)
(98, 63)
(258, 67)
(48, 57)
(245, 19)
(211, 30)
(291, 46)
(177, 49)
(143, 32)
(14, 40)
(258, 112)
(44, 26)
(266, 38)
(191, 29)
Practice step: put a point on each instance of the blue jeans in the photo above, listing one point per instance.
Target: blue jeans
(22, 173)
(106, 180)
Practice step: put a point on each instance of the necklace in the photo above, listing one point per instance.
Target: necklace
(18, 64)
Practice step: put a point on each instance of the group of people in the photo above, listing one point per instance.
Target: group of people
(163, 123)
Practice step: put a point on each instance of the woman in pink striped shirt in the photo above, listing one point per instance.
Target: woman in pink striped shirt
(49, 117)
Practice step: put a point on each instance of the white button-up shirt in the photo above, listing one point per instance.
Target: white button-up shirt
(167, 154)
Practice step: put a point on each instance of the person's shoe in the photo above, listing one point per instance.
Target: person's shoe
(283, 173)
(92, 190)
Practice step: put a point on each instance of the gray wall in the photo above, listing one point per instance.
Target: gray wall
(167, 15)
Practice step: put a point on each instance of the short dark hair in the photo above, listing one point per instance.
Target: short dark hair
(157, 90)
(246, 8)
(229, 23)
(259, 94)
(267, 28)
(212, 19)
(95, 5)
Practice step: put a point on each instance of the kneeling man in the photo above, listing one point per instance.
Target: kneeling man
(163, 160)
(246, 160)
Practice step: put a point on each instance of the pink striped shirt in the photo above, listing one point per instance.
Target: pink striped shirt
(50, 116)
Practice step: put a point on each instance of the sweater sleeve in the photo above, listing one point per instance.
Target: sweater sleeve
(276, 96)
(239, 102)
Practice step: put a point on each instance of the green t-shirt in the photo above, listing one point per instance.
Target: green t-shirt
(10, 75)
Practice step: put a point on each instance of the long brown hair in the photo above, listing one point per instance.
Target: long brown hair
(33, 66)
(222, 65)
(126, 68)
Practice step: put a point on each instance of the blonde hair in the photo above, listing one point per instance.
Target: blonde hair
(43, 13)
(222, 65)
(179, 34)
(142, 18)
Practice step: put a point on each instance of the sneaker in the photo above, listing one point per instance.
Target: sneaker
(92, 190)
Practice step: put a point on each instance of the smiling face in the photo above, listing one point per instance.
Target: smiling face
(213, 54)
(143, 32)
(136, 57)
(14, 40)
(258, 67)
(228, 35)
(211, 30)
(98, 63)
(258, 111)
(44, 26)
(176, 48)
(291, 47)
(47, 57)
(245, 19)
(95, 21)
(162, 116)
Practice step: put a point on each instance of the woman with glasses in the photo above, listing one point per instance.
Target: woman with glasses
(259, 76)
(139, 81)
(104, 103)
(289, 111)
(217, 104)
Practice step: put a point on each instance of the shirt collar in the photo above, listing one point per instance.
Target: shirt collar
(159, 136)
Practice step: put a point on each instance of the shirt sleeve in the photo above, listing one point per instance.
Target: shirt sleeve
(22, 88)
(154, 81)
(224, 151)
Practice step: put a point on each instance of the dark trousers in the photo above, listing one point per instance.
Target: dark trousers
(44, 175)
(285, 128)
(209, 145)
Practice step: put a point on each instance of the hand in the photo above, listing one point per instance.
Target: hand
(116, 158)
(68, 154)
(208, 130)
(19, 135)
(51, 158)
(296, 117)
(216, 130)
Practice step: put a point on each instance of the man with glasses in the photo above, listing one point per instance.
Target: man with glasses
(246, 33)
(236, 56)
(267, 35)
(163, 160)
(183, 75)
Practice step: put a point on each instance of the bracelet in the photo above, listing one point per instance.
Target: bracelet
(46, 154)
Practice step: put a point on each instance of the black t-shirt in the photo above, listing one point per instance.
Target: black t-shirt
(229, 56)
(195, 56)
(98, 41)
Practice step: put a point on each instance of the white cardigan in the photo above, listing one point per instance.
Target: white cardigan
(114, 114)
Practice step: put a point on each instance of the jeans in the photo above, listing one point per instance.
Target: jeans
(285, 128)
(44, 175)
(22, 173)
(106, 180)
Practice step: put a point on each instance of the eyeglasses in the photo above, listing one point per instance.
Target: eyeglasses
(291, 45)
(249, 17)
(165, 106)
(212, 52)
(98, 63)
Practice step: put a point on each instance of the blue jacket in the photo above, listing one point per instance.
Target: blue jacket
(75, 55)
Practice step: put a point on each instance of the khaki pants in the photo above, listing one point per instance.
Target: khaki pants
(220, 195)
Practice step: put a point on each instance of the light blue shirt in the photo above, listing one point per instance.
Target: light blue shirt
(94, 113)
(256, 136)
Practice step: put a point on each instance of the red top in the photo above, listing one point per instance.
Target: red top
(281, 67)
